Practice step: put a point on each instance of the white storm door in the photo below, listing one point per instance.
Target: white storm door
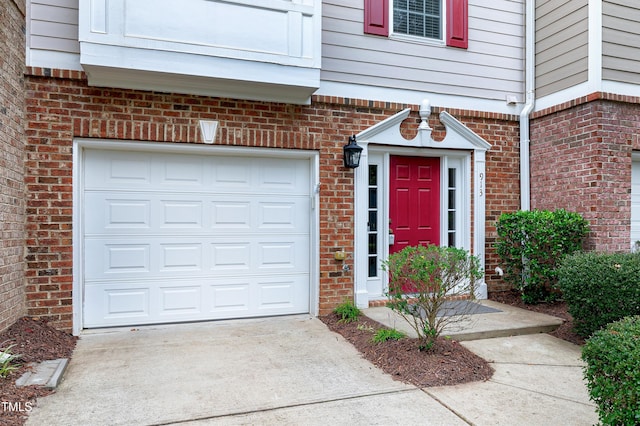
(171, 238)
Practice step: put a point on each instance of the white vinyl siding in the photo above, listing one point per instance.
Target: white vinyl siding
(489, 68)
(621, 41)
(53, 25)
(562, 45)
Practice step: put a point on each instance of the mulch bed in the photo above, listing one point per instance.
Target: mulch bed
(557, 309)
(35, 341)
(447, 363)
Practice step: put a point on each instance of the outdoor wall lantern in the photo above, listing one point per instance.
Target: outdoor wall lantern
(352, 153)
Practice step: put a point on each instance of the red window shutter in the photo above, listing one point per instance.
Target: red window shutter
(457, 23)
(376, 17)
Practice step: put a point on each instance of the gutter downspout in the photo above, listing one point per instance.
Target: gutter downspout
(525, 178)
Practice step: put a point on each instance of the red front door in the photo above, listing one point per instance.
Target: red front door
(414, 201)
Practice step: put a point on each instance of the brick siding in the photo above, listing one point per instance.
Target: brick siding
(12, 145)
(60, 107)
(581, 161)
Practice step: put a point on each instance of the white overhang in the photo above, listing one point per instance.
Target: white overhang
(233, 48)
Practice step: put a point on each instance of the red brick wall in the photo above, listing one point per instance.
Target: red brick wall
(12, 144)
(60, 106)
(502, 187)
(581, 161)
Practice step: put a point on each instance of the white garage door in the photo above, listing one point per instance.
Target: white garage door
(171, 238)
(635, 202)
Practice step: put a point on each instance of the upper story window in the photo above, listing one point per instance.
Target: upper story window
(431, 19)
(421, 18)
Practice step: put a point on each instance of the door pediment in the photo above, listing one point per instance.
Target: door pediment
(458, 136)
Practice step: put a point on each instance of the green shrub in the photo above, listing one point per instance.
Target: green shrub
(384, 334)
(6, 360)
(347, 311)
(600, 288)
(422, 278)
(531, 243)
(613, 377)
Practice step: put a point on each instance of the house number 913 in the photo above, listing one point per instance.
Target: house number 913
(481, 182)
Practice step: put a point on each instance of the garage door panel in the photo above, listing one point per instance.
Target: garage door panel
(121, 214)
(115, 305)
(227, 215)
(116, 212)
(186, 172)
(282, 293)
(181, 257)
(180, 300)
(181, 214)
(124, 258)
(231, 256)
(277, 254)
(174, 256)
(113, 169)
(230, 297)
(194, 237)
(125, 303)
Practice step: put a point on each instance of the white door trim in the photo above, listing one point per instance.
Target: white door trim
(79, 147)
(386, 137)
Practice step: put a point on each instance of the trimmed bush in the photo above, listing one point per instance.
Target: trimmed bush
(613, 377)
(531, 243)
(422, 279)
(600, 288)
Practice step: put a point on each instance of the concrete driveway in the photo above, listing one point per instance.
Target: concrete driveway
(285, 370)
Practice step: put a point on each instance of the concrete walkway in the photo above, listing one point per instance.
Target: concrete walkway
(294, 371)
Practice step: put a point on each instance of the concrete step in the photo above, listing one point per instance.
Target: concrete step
(502, 321)
(47, 374)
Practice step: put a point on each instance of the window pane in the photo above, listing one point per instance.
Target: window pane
(420, 18)
(452, 221)
(451, 240)
(373, 198)
(432, 7)
(400, 23)
(452, 178)
(452, 199)
(373, 266)
(432, 27)
(373, 175)
(416, 6)
(373, 243)
(373, 221)
(416, 25)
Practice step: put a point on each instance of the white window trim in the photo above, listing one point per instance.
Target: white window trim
(418, 39)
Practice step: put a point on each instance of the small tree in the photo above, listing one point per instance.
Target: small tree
(422, 278)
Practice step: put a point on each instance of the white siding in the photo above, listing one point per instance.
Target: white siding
(53, 25)
(490, 68)
(562, 45)
(621, 41)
